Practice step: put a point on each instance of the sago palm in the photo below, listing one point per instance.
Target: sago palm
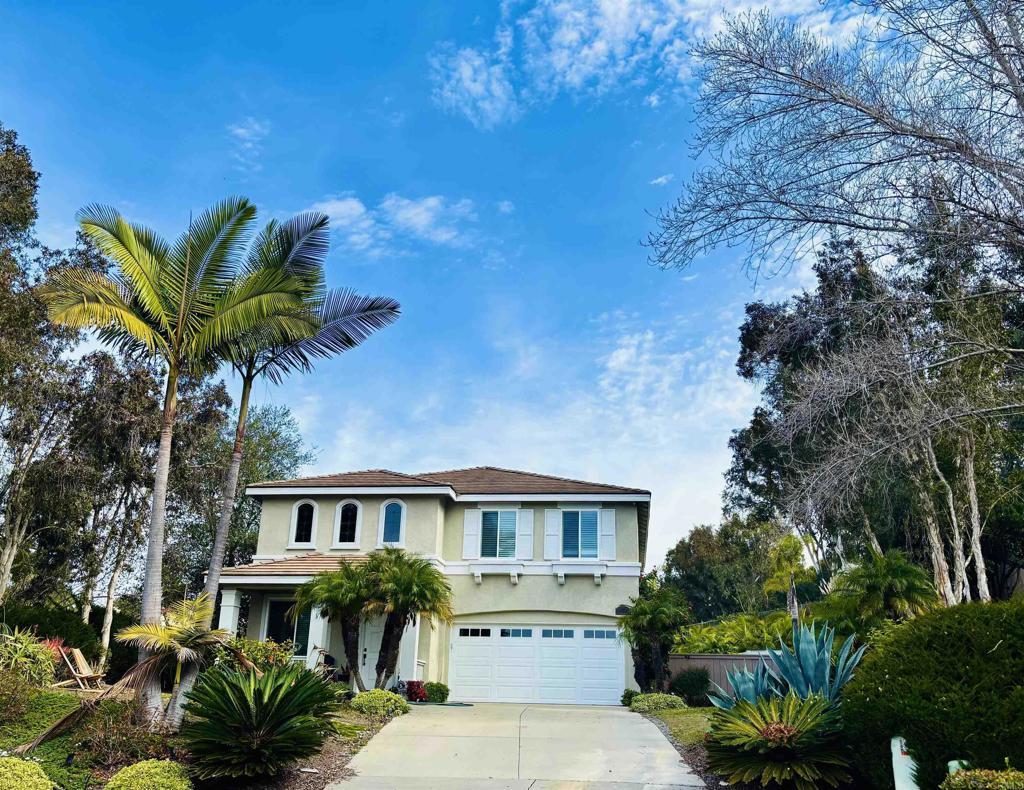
(404, 586)
(182, 303)
(886, 587)
(342, 597)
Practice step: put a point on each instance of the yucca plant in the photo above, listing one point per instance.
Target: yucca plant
(808, 668)
(240, 724)
(784, 741)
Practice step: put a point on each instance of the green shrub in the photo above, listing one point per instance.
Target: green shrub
(693, 686)
(243, 725)
(263, 653)
(14, 694)
(436, 692)
(51, 622)
(790, 742)
(151, 775)
(736, 634)
(645, 703)
(379, 704)
(112, 737)
(18, 774)
(24, 654)
(628, 696)
(980, 779)
(949, 682)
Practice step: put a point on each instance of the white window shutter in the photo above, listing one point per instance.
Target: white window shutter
(471, 534)
(606, 549)
(524, 535)
(552, 534)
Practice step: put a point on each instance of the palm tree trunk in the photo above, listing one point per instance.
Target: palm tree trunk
(350, 642)
(152, 587)
(227, 503)
(391, 638)
(981, 575)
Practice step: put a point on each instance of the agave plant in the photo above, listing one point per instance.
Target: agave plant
(244, 724)
(808, 669)
(748, 685)
(786, 741)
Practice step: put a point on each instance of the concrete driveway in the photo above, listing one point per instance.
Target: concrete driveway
(519, 747)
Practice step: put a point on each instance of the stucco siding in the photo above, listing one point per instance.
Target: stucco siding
(543, 593)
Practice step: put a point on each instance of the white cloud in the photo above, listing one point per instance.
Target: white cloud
(247, 138)
(430, 218)
(660, 181)
(506, 206)
(552, 47)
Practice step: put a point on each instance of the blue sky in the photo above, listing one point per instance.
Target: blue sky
(492, 166)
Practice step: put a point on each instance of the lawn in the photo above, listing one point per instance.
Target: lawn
(687, 725)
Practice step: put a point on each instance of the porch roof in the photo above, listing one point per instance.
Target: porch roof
(301, 565)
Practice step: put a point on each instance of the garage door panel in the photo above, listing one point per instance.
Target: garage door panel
(559, 669)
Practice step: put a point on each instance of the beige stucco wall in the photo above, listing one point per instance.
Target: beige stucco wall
(541, 595)
(424, 516)
(627, 546)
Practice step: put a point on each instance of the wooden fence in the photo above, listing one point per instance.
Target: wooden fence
(717, 665)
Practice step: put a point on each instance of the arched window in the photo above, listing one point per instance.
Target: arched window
(347, 522)
(304, 523)
(392, 523)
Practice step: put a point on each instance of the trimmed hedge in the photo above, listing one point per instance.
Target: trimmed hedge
(949, 682)
(151, 775)
(984, 780)
(645, 703)
(436, 692)
(379, 704)
(693, 686)
(18, 774)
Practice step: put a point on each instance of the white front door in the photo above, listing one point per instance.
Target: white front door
(568, 664)
(371, 631)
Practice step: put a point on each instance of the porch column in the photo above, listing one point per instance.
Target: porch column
(319, 636)
(230, 602)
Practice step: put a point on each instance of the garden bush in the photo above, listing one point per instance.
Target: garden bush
(18, 774)
(379, 704)
(47, 621)
(789, 741)
(24, 654)
(14, 694)
(113, 737)
(980, 779)
(693, 686)
(151, 775)
(645, 703)
(436, 692)
(240, 724)
(628, 696)
(264, 654)
(949, 682)
(414, 691)
(736, 634)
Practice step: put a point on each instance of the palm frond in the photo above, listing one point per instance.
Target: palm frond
(140, 253)
(299, 247)
(345, 320)
(154, 637)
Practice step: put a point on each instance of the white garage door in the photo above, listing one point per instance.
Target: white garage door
(558, 664)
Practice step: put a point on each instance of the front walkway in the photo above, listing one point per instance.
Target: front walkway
(519, 747)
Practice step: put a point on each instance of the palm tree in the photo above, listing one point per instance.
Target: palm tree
(886, 587)
(342, 596)
(182, 303)
(404, 586)
(651, 627)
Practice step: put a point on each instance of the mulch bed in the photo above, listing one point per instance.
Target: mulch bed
(329, 766)
(696, 757)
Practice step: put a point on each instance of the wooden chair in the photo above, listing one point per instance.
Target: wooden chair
(81, 672)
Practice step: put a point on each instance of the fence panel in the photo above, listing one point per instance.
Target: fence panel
(717, 664)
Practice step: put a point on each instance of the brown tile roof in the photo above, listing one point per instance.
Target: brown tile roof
(475, 480)
(369, 478)
(299, 565)
(494, 480)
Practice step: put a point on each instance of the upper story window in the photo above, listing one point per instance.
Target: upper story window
(580, 533)
(392, 523)
(347, 522)
(303, 523)
(498, 533)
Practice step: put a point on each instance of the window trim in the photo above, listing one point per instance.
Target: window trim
(294, 544)
(515, 534)
(579, 532)
(400, 543)
(265, 621)
(337, 544)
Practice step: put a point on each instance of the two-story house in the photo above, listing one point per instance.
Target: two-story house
(541, 568)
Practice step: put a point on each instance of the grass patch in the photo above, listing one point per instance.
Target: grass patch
(687, 725)
(44, 708)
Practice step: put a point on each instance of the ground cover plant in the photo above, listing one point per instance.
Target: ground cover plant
(646, 703)
(18, 774)
(151, 775)
(379, 704)
(43, 708)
